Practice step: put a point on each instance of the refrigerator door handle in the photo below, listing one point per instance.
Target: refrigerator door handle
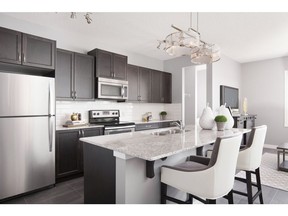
(50, 134)
(49, 98)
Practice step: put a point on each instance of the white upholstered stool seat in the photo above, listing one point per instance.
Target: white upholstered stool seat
(203, 178)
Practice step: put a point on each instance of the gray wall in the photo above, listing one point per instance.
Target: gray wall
(175, 66)
(225, 72)
(263, 85)
(76, 41)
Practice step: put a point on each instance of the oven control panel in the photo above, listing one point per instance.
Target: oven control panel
(104, 113)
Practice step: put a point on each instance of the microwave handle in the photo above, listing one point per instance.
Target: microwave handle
(122, 91)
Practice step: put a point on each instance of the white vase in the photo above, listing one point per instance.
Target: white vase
(206, 120)
(225, 111)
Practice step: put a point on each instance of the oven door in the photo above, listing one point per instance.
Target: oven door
(118, 130)
(112, 89)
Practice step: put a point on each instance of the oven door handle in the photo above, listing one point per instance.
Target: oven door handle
(119, 128)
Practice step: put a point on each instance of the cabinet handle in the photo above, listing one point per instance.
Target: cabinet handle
(75, 94)
(19, 57)
(83, 133)
(79, 133)
(23, 57)
(72, 94)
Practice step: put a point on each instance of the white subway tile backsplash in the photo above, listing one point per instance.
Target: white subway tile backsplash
(128, 111)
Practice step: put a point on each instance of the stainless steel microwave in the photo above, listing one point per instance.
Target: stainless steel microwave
(112, 89)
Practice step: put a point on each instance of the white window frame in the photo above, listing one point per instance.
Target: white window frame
(286, 99)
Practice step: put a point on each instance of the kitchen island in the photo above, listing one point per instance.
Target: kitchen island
(125, 168)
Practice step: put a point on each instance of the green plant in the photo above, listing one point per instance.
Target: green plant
(163, 113)
(220, 118)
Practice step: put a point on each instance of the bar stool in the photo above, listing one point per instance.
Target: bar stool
(202, 178)
(249, 160)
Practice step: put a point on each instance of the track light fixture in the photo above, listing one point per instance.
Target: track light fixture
(86, 16)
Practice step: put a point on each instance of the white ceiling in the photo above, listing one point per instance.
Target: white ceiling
(242, 36)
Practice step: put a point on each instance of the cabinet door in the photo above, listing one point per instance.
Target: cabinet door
(156, 86)
(132, 77)
(64, 74)
(83, 76)
(88, 133)
(68, 155)
(104, 64)
(166, 88)
(38, 52)
(145, 84)
(10, 46)
(119, 67)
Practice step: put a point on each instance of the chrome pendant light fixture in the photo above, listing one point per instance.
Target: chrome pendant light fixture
(189, 43)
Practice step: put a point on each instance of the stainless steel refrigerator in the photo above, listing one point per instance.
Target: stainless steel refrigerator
(27, 133)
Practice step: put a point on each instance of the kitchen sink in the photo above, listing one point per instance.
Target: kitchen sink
(165, 132)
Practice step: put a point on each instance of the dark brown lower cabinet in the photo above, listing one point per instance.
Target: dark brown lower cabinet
(69, 152)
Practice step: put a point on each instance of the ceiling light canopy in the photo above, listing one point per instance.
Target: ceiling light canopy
(189, 43)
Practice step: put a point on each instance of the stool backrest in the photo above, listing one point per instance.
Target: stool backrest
(223, 163)
(250, 156)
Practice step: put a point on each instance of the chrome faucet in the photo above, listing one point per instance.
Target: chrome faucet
(179, 124)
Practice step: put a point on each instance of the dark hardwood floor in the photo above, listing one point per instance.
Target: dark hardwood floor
(68, 192)
(72, 191)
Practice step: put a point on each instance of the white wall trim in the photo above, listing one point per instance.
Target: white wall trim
(270, 146)
(286, 99)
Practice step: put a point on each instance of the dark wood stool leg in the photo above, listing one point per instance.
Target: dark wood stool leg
(257, 172)
(249, 187)
(189, 199)
(230, 197)
(163, 193)
(210, 201)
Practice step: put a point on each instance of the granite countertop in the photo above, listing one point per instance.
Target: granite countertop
(59, 128)
(149, 146)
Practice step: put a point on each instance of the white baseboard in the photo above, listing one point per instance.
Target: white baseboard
(270, 146)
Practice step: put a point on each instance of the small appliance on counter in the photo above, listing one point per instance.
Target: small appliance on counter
(75, 121)
(147, 117)
(111, 121)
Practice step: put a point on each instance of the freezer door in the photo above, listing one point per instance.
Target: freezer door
(26, 95)
(27, 154)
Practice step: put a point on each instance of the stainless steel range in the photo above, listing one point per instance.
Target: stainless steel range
(111, 121)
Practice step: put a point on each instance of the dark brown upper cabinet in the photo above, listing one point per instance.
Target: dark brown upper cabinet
(166, 87)
(38, 52)
(144, 84)
(139, 82)
(133, 80)
(110, 65)
(156, 86)
(10, 46)
(24, 49)
(161, 87)
(74, 76)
